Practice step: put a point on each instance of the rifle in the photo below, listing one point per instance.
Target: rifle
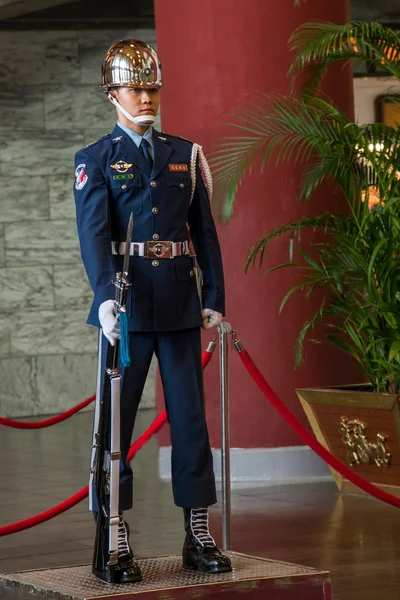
(106, 449)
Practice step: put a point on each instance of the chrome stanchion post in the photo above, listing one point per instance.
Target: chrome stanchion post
(224, 330)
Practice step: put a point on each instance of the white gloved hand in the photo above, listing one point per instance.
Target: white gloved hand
(108, 321)
(211, 318)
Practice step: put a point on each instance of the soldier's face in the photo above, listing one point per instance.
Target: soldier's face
(138, 101)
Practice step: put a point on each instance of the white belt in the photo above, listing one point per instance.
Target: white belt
(152, 249)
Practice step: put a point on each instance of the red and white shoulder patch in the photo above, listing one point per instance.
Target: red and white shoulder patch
(81, 178)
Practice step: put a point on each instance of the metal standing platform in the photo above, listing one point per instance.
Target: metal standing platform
(164, 579)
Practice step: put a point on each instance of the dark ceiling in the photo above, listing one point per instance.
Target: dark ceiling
(383, 11)
(88, 14)
(93, 14)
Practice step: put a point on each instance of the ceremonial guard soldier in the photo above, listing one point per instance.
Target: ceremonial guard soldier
(157, 177)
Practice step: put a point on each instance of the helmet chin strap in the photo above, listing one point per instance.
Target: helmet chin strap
(140, 120)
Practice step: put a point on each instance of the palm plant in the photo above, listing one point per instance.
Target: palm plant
(356, 263)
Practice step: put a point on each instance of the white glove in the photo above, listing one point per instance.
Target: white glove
(211, 318)
(108, 322)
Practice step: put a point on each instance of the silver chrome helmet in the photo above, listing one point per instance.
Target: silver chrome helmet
(131, 63)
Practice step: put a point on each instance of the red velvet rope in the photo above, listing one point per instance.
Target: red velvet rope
(47, 422)
(83, 493)
(309, 439)
(205, 359)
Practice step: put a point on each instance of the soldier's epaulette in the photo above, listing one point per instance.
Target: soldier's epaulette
(177, 137)
(99, 140)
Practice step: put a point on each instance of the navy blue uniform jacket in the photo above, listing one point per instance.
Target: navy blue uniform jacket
(163, 297)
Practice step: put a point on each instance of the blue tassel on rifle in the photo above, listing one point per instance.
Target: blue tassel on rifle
(124, 354)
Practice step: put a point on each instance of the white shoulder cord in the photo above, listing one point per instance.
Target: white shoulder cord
(197, 150)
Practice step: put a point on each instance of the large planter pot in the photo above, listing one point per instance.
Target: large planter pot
(361, 428)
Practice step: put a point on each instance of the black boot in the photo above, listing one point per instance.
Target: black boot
(199, 550)
(126, 570)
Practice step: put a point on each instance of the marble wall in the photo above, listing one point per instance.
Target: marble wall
(49, 108)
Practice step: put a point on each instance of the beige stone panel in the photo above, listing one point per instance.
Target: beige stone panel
(23, 197)
(62, 205)
(26, 288)
(18, 390)
(86, 107)
(21, 108)
(42, 242)
(2, 248)
(71, 287)
(38, 57)
(53, 332)
(44, 385)
(6, 325)
(64, 381)
(28, 153)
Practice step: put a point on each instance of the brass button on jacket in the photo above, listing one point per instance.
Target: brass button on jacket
(154, 210)
(153, 183)
(156, 236)
(155, 263)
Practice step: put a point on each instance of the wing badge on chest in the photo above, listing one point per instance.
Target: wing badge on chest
(121, 166)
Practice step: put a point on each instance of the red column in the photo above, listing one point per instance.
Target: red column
(215, 54)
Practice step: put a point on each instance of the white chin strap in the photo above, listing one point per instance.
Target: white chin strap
(140, 120)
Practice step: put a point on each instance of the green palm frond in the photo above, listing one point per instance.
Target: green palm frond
(289, 127)
(322, 314)
(327, 222)
(318, 45)
(358, 267)
(318, 136)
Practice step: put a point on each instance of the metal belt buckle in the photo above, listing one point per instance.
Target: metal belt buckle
(158, 249)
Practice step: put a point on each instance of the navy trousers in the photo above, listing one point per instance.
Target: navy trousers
(179, 359)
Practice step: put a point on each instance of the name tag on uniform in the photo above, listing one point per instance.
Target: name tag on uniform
(178, 167)
(127, 176)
